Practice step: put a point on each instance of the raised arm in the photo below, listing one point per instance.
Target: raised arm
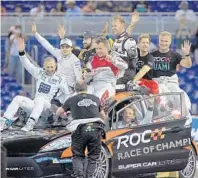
(31, 68)
(61, 31)
(54, 51)
(186, 61)
(134, 19)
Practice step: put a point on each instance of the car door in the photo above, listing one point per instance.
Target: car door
(161, 143)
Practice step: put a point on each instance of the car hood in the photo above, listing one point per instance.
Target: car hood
(46, 134)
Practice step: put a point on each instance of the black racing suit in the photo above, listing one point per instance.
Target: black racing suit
(126, 47)
(87, 129)
(84, 56)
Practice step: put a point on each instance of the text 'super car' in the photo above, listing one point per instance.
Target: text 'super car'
(145, 134)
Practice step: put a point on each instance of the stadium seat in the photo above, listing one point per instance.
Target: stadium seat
(9, 89)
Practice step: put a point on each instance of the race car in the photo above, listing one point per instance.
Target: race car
(157, 139)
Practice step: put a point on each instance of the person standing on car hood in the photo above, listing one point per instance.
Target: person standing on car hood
(126, 48)
(87, 128)
(68, 65)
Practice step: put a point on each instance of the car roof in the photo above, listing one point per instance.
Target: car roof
(122, 95)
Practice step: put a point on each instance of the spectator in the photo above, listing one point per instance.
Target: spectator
(122, 6)
(53, 11)
(72, 8)
(59, 7)
(18, 10)
(3, 11)
(182, 34)
(38, 11)
(104, 6)
(90, 7)
(13, 63)
(185, 12)
(142, 6)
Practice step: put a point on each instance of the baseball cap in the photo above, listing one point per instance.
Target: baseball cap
(88, 34)
(66, 41)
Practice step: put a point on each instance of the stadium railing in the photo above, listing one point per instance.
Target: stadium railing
(151, 23)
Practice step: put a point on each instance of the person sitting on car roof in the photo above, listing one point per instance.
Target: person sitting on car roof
(48, 83)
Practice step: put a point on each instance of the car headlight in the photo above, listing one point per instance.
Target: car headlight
(60, 143)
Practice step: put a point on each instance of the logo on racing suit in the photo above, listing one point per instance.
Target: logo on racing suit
(86, 103)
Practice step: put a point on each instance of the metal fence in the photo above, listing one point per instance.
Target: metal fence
(151, 23)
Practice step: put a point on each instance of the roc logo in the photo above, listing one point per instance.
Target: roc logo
(158, 134)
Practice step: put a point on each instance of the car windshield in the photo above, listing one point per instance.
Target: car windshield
(151, 109)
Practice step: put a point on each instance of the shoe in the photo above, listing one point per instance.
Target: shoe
(29, 125)
(75, 176)
(5, 123)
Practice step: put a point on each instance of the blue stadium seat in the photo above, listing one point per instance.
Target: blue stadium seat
(9, 89)
(156, 6)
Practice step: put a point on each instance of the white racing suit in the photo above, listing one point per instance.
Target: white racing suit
(104, 74)
(69, 67)
(171, 84)
(126, 47)
(46, 88)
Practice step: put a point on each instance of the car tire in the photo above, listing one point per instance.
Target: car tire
(102, 170)
(190, 169)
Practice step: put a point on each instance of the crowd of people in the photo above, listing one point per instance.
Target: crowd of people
(86, 7)
(82, 80)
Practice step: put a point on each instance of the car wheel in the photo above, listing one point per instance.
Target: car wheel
(102, 170)
(190, 169)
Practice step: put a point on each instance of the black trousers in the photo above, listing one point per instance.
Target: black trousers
(85, 137)
(128, 75)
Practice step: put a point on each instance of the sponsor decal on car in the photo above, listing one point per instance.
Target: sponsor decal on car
(153, 148)
(136, 138)
(54, 160)
(24, 168)
(150, 164)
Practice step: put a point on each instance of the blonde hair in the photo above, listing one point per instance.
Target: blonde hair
(48, 59)
(118, 17)
(103, 40)
(144, 35)
(166, 33)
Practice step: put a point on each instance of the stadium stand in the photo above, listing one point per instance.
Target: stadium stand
(156, 6)
(9, 89)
